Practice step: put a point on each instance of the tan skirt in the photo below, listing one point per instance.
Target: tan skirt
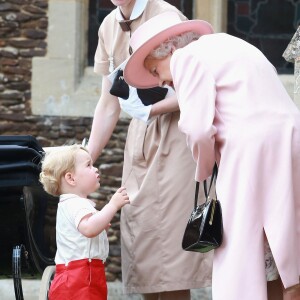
(159, 177)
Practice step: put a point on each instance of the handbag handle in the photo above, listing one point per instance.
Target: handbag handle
(206, 193)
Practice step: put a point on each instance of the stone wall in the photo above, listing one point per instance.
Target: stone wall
(23, 35)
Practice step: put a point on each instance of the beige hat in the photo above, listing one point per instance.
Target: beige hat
(149, 36)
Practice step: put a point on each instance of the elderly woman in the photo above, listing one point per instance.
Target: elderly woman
(233, 110)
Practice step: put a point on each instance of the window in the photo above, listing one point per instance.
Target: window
(267, 24)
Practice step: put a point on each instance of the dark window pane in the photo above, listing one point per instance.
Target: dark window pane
(267, 24)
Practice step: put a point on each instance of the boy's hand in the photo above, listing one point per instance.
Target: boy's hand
(107, 227)
(120, 198)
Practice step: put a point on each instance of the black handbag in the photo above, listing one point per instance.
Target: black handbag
(152, 95)
(148, 96)
(119, 87)
(204, 230)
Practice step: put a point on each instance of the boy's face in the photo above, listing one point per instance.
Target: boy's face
(86, 176)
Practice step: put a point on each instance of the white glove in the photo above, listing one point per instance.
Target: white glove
(134, 106)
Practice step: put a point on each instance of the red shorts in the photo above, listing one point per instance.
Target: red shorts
(79, 280)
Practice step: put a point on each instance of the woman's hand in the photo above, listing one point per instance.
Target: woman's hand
(169, 104)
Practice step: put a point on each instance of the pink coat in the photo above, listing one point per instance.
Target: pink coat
(234, 109)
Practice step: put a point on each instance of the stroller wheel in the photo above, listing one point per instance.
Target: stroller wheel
(47, 277)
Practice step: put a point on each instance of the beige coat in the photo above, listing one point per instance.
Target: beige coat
(159, 177)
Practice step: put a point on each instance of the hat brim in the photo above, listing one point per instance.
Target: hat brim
(136, 74)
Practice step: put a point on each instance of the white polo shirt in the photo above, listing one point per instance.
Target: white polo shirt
(71, 244)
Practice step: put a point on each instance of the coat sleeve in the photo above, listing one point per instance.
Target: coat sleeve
(196, 92)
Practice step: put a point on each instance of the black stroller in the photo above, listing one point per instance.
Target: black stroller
(27, 214)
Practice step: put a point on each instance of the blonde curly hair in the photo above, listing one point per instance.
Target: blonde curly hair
(55, 164)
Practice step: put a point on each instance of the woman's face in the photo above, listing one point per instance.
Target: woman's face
(160, 68)
(122, 2)
(126, 6)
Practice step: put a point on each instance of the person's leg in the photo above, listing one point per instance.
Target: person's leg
(176, 295)
(292, 293)
(274, 284)
(276, 291)
(274, 288)
(151, 296)
(171, 295)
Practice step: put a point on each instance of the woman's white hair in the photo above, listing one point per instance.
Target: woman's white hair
(177, 41)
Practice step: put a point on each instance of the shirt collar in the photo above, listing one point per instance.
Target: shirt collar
(64, 197)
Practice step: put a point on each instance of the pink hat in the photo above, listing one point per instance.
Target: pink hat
(148, 37)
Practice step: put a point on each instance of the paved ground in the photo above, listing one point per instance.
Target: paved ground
(31, 291)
